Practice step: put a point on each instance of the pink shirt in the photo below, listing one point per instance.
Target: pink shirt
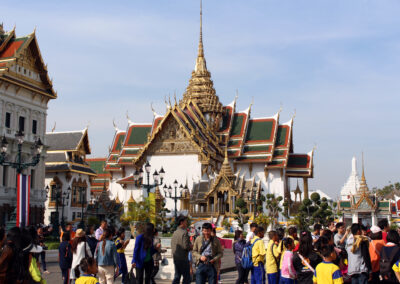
(287, 269)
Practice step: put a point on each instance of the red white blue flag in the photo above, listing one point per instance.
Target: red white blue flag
(23, 196)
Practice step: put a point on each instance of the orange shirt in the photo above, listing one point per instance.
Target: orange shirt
(375, 248)
(72, 235)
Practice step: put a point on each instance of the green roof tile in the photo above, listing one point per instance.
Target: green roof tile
(138, 135)
(259, 130)
(237, 124)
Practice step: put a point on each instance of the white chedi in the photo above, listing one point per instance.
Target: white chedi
(353, 182)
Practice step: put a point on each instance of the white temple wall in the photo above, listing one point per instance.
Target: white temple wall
(276, 182)
(180, 167)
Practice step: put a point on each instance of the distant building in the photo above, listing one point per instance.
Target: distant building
(67, 173)
(353, 182)
(25, 91)
(363, 206)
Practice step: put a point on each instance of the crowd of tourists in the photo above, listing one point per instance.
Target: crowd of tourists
(336, 254)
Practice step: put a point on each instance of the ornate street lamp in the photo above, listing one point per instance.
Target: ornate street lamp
(168, 194)
(158, 177)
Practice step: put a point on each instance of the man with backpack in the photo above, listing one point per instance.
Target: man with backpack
(272, 258)
(207, 251)
(360, 268)
(390, 254)
(258, 253)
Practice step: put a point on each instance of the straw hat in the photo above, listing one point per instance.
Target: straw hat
(79, 233)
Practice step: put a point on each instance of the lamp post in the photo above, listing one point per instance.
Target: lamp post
(157, 176)
(252, 197)
(19, 165)
(175, 197)
(55, 195)
(65, 197)
(82, 192)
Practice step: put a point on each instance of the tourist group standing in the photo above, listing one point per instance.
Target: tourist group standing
(335, 254)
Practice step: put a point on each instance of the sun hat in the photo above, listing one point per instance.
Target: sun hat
(79, 233)
(375, 229)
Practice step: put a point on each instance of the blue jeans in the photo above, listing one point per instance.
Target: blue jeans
(258, 274)
(359, 278)
(273, 278)
(204, 272)
(123, 268)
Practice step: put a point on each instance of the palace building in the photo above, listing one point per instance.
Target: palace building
(25, 91)
(219, 152)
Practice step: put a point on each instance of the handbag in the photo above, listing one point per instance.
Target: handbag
(130, 278)
(164, 261)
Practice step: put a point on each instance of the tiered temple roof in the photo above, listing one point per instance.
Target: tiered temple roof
(21, 57)
(103, 177)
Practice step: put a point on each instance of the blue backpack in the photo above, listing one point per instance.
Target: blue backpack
(247, 258)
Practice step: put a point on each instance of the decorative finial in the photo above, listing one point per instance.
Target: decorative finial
(87, 125)
(128, 118)
(115, 125)
(152, 109)
(294, 114)
(363, 175)
(237, 95)
(54, 127)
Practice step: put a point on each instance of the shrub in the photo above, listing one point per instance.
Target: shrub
(53, 245)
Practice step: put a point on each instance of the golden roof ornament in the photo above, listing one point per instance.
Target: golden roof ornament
(201, 87)
(117, 200)
(226, 169)
(363, 182)
(131, 200)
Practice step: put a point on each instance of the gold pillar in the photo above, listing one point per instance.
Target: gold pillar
(305, 185)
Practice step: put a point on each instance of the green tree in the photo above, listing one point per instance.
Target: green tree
(387, 189)
(139, 213)
(241, 212)
(273, 207)
(312, 211)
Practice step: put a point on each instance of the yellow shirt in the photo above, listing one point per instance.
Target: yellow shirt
(86, 279)
(258, 251)
(396, 266)
(35, 272)
(272, 253)
(118, 242)
(327, 273)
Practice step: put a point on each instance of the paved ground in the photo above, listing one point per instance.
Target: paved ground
(55, 276)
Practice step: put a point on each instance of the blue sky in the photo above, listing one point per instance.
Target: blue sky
(335, 62)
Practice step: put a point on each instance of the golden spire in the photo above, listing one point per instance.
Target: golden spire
(363, 182)
(131, 200)
(117, 200)
(226, 167)
(201, 87)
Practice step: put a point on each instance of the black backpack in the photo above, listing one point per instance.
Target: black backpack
(386, 262)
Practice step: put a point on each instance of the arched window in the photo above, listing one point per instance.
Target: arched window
(79, 189)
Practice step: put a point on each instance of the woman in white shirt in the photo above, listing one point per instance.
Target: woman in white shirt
(80, 249)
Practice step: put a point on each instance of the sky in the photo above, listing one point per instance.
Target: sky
(336, 64)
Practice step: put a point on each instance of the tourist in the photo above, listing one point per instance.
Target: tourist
(106, 258)
(91, 239)
(80, 249)
(358, 256)
(288, 273)
(68, 229)
(238, 246)
(89, 268)
(100, 230)
(250, 234)
(326, 272)
(157, 256)
(14, 261)
(34, 270)
(272, 258)
(292, 233)
(65, 257)
(341, 235)
(207, 251)
(214, 235)
(306, 259)
(41, 236)
(390, 254)
(384, 225)
(143, 255)
(316, 233)
(121, 244)
(375, 248)
(180, 246)
(258, 253)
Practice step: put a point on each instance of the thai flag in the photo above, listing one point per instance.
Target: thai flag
(23, 196)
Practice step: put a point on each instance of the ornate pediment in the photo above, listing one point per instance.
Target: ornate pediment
(171, 140)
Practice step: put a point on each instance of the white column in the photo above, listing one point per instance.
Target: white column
(373, 219)
(355, 217)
